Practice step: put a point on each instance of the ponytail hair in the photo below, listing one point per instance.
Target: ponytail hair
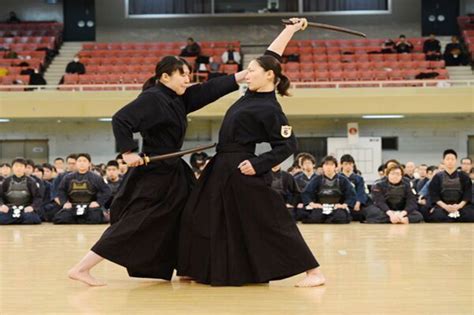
(281, 81)
(168, 65)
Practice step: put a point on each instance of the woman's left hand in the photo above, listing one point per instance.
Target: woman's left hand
(246, 168)
(299, 24)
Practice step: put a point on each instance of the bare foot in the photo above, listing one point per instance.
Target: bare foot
(311, 280)
(85, 277)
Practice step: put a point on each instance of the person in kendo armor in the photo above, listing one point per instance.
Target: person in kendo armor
(285, 185)
(82, 195)
(450, 194)
(329, 197)
(19, 197)
(349, 169)
(394, 200)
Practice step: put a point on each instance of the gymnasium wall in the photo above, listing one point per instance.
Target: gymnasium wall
(420, 139)
(32, 10)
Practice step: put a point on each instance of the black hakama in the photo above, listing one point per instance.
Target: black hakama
(145, 214)
(235, 228)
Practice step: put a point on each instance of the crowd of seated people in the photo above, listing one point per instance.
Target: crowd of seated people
(70, 191)
(76, 191)
(335, 192)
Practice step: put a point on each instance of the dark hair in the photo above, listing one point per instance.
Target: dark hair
(30, 162)
(39, 168)
(48, 166)
(307, 157)
(86, 155)
(432, 168)
(58, 159)
(347, 158)
(329, 158)
(450, 151)
(395, 167)
(424, 165)
(112, 163)
(19, 160)
(281, 81)
(98, 170)
(119, 157)
(5, 164)
(402, 36)
(381, 168)
(466, 158)
(168, 65)
(72, 156)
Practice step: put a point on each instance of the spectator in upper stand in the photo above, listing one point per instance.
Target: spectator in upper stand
(466, 165)
(403, 46)
(453, 53)
(36, 78)
(75, 66)
(231, 56)
(388, 47)
(12, 18)
(192, 49)
(432, 48)
(10, 54)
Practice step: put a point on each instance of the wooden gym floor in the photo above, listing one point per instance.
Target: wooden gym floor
(371, 269)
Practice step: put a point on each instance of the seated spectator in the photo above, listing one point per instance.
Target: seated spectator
(307, 162)
(466, 165)
(388, 47)
(423, 193)
(10, 54)
(59, 165)
(409, 171)
(285, 185)
(48, 173)
(192, 49)
(231, 56)
(5, 170)
(82, 195)
(112, 179)
(394, 200)
(358, 183)
(198, 160)
(75, 66)
(123, 167)
(12, 18)
(328, 198)
(420, 182)
(19, 197)
(432, 48)
(36, 78)
(50, 209)
(450, 193)
(403, 46)
(454, 53)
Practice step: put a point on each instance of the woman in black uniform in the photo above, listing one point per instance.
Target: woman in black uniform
(235, 228)
(146, 210)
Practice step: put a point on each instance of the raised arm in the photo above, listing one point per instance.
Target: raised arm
(279, 44)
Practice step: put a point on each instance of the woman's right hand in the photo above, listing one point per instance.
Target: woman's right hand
(132, 159)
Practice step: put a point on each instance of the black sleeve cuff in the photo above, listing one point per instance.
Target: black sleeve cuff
(273, 54)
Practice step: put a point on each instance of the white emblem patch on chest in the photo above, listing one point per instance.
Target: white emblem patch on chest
(286, 131)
